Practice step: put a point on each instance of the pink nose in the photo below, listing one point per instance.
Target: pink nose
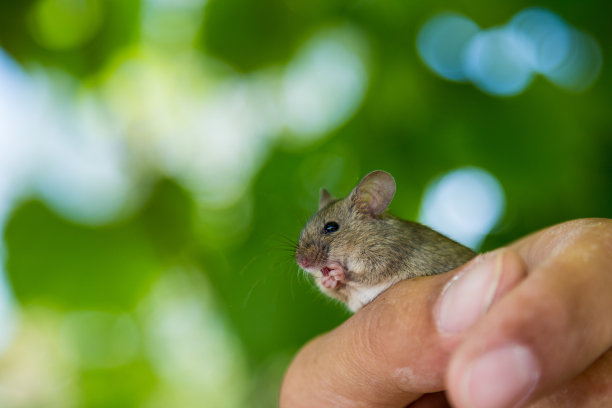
(303, 261)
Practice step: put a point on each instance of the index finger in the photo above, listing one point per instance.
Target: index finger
(386, 355)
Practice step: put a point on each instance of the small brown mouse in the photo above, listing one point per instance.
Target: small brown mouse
(355, 250)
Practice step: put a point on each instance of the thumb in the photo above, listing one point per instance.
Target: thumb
(544, 332)
(376, 358)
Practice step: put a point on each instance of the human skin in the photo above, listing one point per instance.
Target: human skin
(529, 324)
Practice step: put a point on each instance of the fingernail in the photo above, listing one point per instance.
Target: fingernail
(500, 378)
(468, 295)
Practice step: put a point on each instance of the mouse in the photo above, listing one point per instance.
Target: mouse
(354, 249)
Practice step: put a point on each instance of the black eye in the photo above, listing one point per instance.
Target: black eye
(330, 227)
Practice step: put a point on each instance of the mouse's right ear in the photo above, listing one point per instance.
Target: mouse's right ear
(325, 198)
(374, 193)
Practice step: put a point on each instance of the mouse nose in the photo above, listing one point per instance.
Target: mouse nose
(303, 261)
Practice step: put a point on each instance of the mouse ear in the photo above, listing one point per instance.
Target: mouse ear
(374, 193)
(325, 198)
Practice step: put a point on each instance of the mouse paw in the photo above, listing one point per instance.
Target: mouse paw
(333, 275)
(337, 274)
(329, 282)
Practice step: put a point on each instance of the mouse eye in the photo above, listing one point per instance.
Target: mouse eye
(330, 227)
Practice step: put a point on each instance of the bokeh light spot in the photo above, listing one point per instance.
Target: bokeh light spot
(172, 22)
(34, 371)
(497, 62)
(73, 155)
(502, 61)
(17, 103)
(8, 315)
(325, 83)
(545, 36)
(581, 66)
(93, 339)
(441, 43)
(65, 24)
(464, 204)
(188, 343)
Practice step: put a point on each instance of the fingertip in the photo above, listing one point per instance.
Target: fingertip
(475, 289)
(502, 377)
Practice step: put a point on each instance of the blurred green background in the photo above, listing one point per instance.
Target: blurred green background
(158, 159)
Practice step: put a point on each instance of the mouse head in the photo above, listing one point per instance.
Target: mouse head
(338, 232)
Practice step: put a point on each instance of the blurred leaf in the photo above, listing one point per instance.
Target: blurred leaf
(76, 266)
(121, 387)
(264, 32)
(167, 217)
(119, 21)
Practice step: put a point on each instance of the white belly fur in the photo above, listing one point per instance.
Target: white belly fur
(361, 296)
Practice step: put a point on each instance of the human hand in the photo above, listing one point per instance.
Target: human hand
(541, 305)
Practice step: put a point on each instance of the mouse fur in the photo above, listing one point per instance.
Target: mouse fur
(371, 249)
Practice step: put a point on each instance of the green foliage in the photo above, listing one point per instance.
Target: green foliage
(125, 386)
(265, 32)
(73, 266)
(117, 25)
(110, 267)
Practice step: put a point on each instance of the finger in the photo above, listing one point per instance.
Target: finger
(548, 329)
(375, 357)
(471, 292)
(391, 352)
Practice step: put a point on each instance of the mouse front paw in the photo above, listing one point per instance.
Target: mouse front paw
(329, 282)
(333, 275)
